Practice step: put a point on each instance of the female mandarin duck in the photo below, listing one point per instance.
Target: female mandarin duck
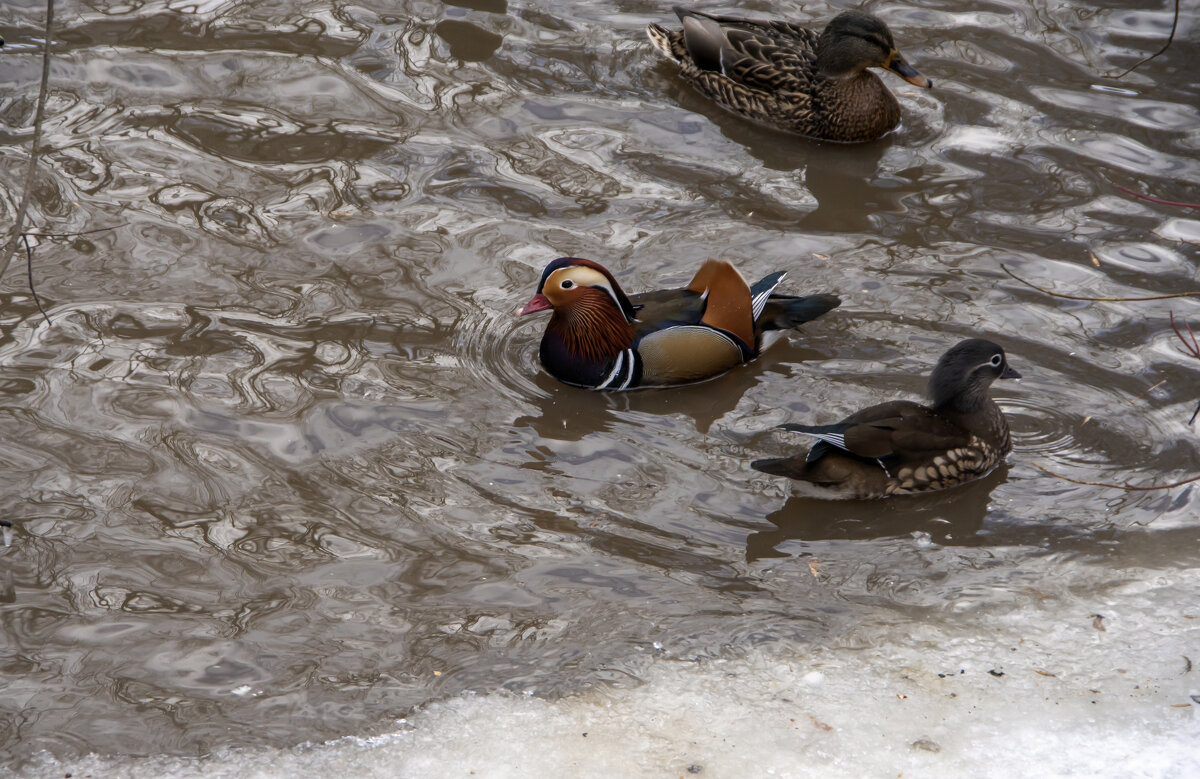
(600, 338)
(901, 447)
(783, 75)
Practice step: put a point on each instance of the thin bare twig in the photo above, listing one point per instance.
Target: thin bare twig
(1158, 200)
(31, 168)
(1171, 37)
(29, 271)
(1191, 349)
(1052, 293)
(72, 235)
(1148, 390)
(1126, 486)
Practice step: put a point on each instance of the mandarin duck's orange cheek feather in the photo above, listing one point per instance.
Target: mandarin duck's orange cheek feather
(600, 338)
(902, 447)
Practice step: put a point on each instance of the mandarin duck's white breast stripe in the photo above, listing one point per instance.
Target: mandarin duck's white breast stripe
(626, 367)
(614, 373)
(632, 369)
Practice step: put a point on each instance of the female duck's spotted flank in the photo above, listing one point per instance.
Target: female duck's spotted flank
(901, 447)
(783, 75)
(600, 338)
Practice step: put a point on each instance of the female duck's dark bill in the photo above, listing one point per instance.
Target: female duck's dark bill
(907, 72)
(538, 302)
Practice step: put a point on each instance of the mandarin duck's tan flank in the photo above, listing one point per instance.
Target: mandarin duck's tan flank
(783, 75)
(902, 447)
(600, 338)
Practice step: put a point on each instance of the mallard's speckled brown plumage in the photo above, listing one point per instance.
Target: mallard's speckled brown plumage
(789, 77)
(901, 447)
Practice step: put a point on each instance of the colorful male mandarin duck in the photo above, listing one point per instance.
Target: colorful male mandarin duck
(901, 447)
(601, 338)
(788, 77)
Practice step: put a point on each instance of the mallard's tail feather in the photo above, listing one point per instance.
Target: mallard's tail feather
(662, 39)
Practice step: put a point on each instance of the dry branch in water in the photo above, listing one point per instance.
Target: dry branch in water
(29, 272)
(1167, 45)
(31, 168)
(1065, 296)
(1158, 200)
(1127, 486)
(1190, 347)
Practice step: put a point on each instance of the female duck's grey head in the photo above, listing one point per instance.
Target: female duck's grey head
(853, 41)
(962, 376)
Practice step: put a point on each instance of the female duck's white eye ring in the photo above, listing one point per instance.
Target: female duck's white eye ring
(996, 360)
(567, 284)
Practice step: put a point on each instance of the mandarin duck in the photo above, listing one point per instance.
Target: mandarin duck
(600, 338)
(901, 447)
(789, 77)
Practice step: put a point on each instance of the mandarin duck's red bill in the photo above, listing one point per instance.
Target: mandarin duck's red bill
(600, 338)
(901, 447)
(789, 77)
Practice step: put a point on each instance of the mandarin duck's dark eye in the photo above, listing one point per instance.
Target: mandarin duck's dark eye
(996, 359)
(567, 284)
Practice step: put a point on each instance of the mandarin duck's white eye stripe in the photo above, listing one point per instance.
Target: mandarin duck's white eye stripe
(612, 294)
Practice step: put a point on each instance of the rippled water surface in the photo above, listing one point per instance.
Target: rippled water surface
(283, 466)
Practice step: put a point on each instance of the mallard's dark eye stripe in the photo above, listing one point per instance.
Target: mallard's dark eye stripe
(874, 40)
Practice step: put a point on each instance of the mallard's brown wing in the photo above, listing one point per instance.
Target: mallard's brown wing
(769, 55)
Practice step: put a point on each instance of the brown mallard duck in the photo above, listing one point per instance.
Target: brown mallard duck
(783, 75)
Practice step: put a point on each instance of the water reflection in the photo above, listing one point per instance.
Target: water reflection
(949, 517)
(285, 456)
(468, 42)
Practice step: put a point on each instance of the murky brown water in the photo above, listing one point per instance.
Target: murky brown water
(284, 467)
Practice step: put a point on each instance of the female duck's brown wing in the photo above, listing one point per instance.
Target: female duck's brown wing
(900, 429)
(772, 56)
